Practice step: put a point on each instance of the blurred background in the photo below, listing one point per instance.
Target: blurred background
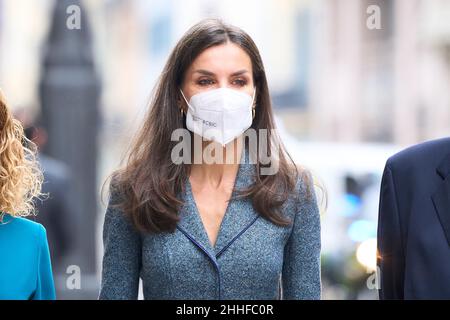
(352, 82)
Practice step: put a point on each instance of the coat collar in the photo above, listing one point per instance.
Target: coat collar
(443, 168)
(239, 215)
(441, 198)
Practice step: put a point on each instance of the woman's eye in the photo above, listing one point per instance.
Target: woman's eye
(240, 82)
(204, 82)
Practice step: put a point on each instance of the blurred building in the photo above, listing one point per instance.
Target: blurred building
(390, 84)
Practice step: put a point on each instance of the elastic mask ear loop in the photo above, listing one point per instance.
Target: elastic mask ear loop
(253, 107)
(189, 106)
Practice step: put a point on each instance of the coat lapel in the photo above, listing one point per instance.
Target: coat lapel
(441, 198)
(239, 215)
(191, 225)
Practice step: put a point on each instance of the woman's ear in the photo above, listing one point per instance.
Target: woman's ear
(181, 106)
(180, 103)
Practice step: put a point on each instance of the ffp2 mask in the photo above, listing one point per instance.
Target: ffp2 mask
(219, 114)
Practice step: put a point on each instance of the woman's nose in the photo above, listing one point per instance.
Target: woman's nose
(224, 83)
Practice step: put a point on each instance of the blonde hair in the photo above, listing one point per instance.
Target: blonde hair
(20, 174)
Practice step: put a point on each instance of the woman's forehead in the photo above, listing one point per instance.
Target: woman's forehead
(226, 58)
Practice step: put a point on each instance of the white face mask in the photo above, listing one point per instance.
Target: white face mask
(220, 114)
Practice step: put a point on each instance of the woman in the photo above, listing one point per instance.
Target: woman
(209, 229)
(25, 268)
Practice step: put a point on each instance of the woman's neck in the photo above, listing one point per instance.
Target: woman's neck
(220, 173)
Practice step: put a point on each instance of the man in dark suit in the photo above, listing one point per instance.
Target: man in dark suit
(414, 223)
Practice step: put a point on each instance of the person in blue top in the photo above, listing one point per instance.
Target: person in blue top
(25, 266)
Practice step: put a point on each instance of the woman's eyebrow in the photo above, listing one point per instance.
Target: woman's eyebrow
(209, 73)
(238, 73)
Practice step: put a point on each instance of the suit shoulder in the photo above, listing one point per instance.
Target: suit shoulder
(305, 182)
(427, 152)
(304, 190)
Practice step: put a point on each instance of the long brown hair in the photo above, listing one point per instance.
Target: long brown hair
(149, 182)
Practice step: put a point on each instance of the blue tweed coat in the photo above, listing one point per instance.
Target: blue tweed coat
(252, 257)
